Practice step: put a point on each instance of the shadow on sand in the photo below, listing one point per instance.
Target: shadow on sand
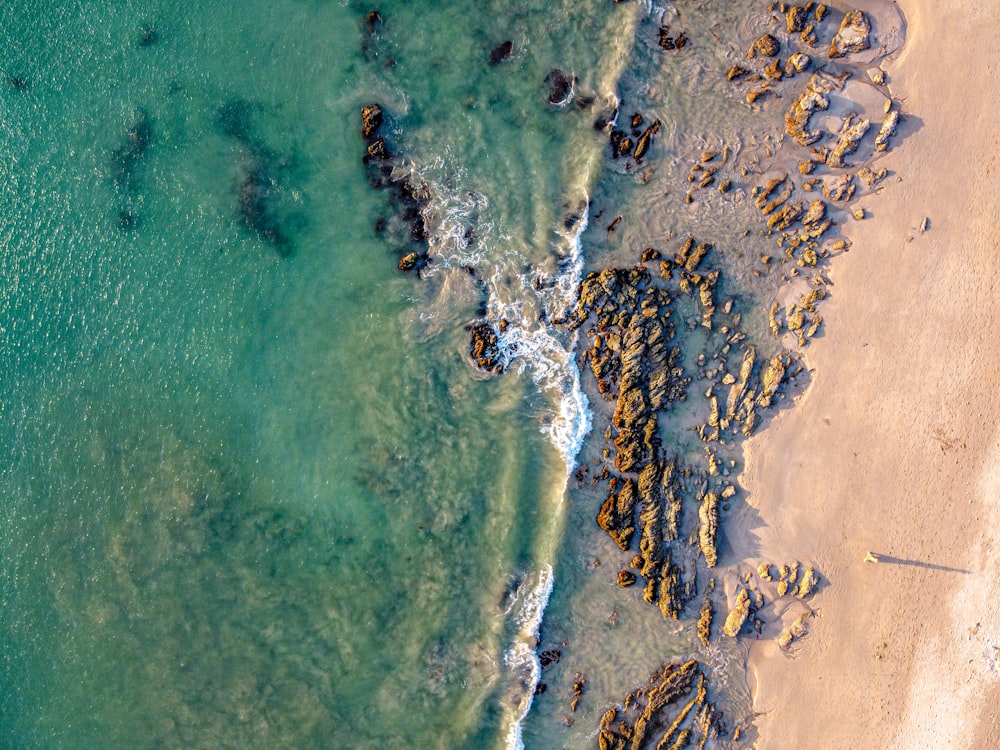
(890, 560)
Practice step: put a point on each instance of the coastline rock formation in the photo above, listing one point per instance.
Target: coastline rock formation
(653, 716)
(853, 35)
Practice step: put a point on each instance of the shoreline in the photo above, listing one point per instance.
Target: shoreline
(890, 448)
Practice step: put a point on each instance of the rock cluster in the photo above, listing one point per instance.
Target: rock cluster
(635, 141)
(409, 198)
(655, 717)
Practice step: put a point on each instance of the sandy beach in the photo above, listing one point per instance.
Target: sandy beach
(894, 447)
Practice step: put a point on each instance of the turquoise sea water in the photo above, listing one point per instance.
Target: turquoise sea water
(254, 493)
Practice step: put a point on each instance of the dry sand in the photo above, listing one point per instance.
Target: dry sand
(895, 445)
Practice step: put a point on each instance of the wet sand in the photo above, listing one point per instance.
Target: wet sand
(895, 446)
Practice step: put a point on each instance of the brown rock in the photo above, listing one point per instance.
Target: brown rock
(853, 35)
(766, 46)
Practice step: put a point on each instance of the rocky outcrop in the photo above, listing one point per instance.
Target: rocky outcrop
(853, 35)
(813, 98)
(653, 716)
(708, 530)
(887, 130)
(617, 514)
(851, 132)
(738, 614)
(484, 348)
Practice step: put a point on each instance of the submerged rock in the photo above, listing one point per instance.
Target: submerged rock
(501, 52)
(560, 86)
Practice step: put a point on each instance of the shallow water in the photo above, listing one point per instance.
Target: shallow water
(256, 494)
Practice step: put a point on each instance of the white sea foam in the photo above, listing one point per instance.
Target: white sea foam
(520, 657)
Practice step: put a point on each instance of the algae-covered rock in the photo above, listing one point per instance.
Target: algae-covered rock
(853, 35)
(708, 515)
(766, 46)
(484, 348)
(626, 578)
(617, 514)
(738, 615)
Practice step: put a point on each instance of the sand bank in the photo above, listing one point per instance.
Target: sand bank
(895, 446)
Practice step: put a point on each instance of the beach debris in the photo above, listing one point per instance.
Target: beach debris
(871, 557)
(853, 35)
(738, 614)
(924, 224)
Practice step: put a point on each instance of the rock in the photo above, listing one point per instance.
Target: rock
(560, 86)
(798, 62)
(807, 584)
(812, 98)
(887, 130)
(642, 145)
(737, 71)
(796, 18)
(753, 96)
(484, 348)
(816, 212)
(708, 515)
(617, 514)
(839, 188)
(770, 380)
(410, 262)
(871, 177)
(626, 578)
(853, 35)
(705, 621)
(738, 615)
(764, 571)
(371, 121)
(766, 46)
(850, 135)
(501, 52)
(773, 72)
